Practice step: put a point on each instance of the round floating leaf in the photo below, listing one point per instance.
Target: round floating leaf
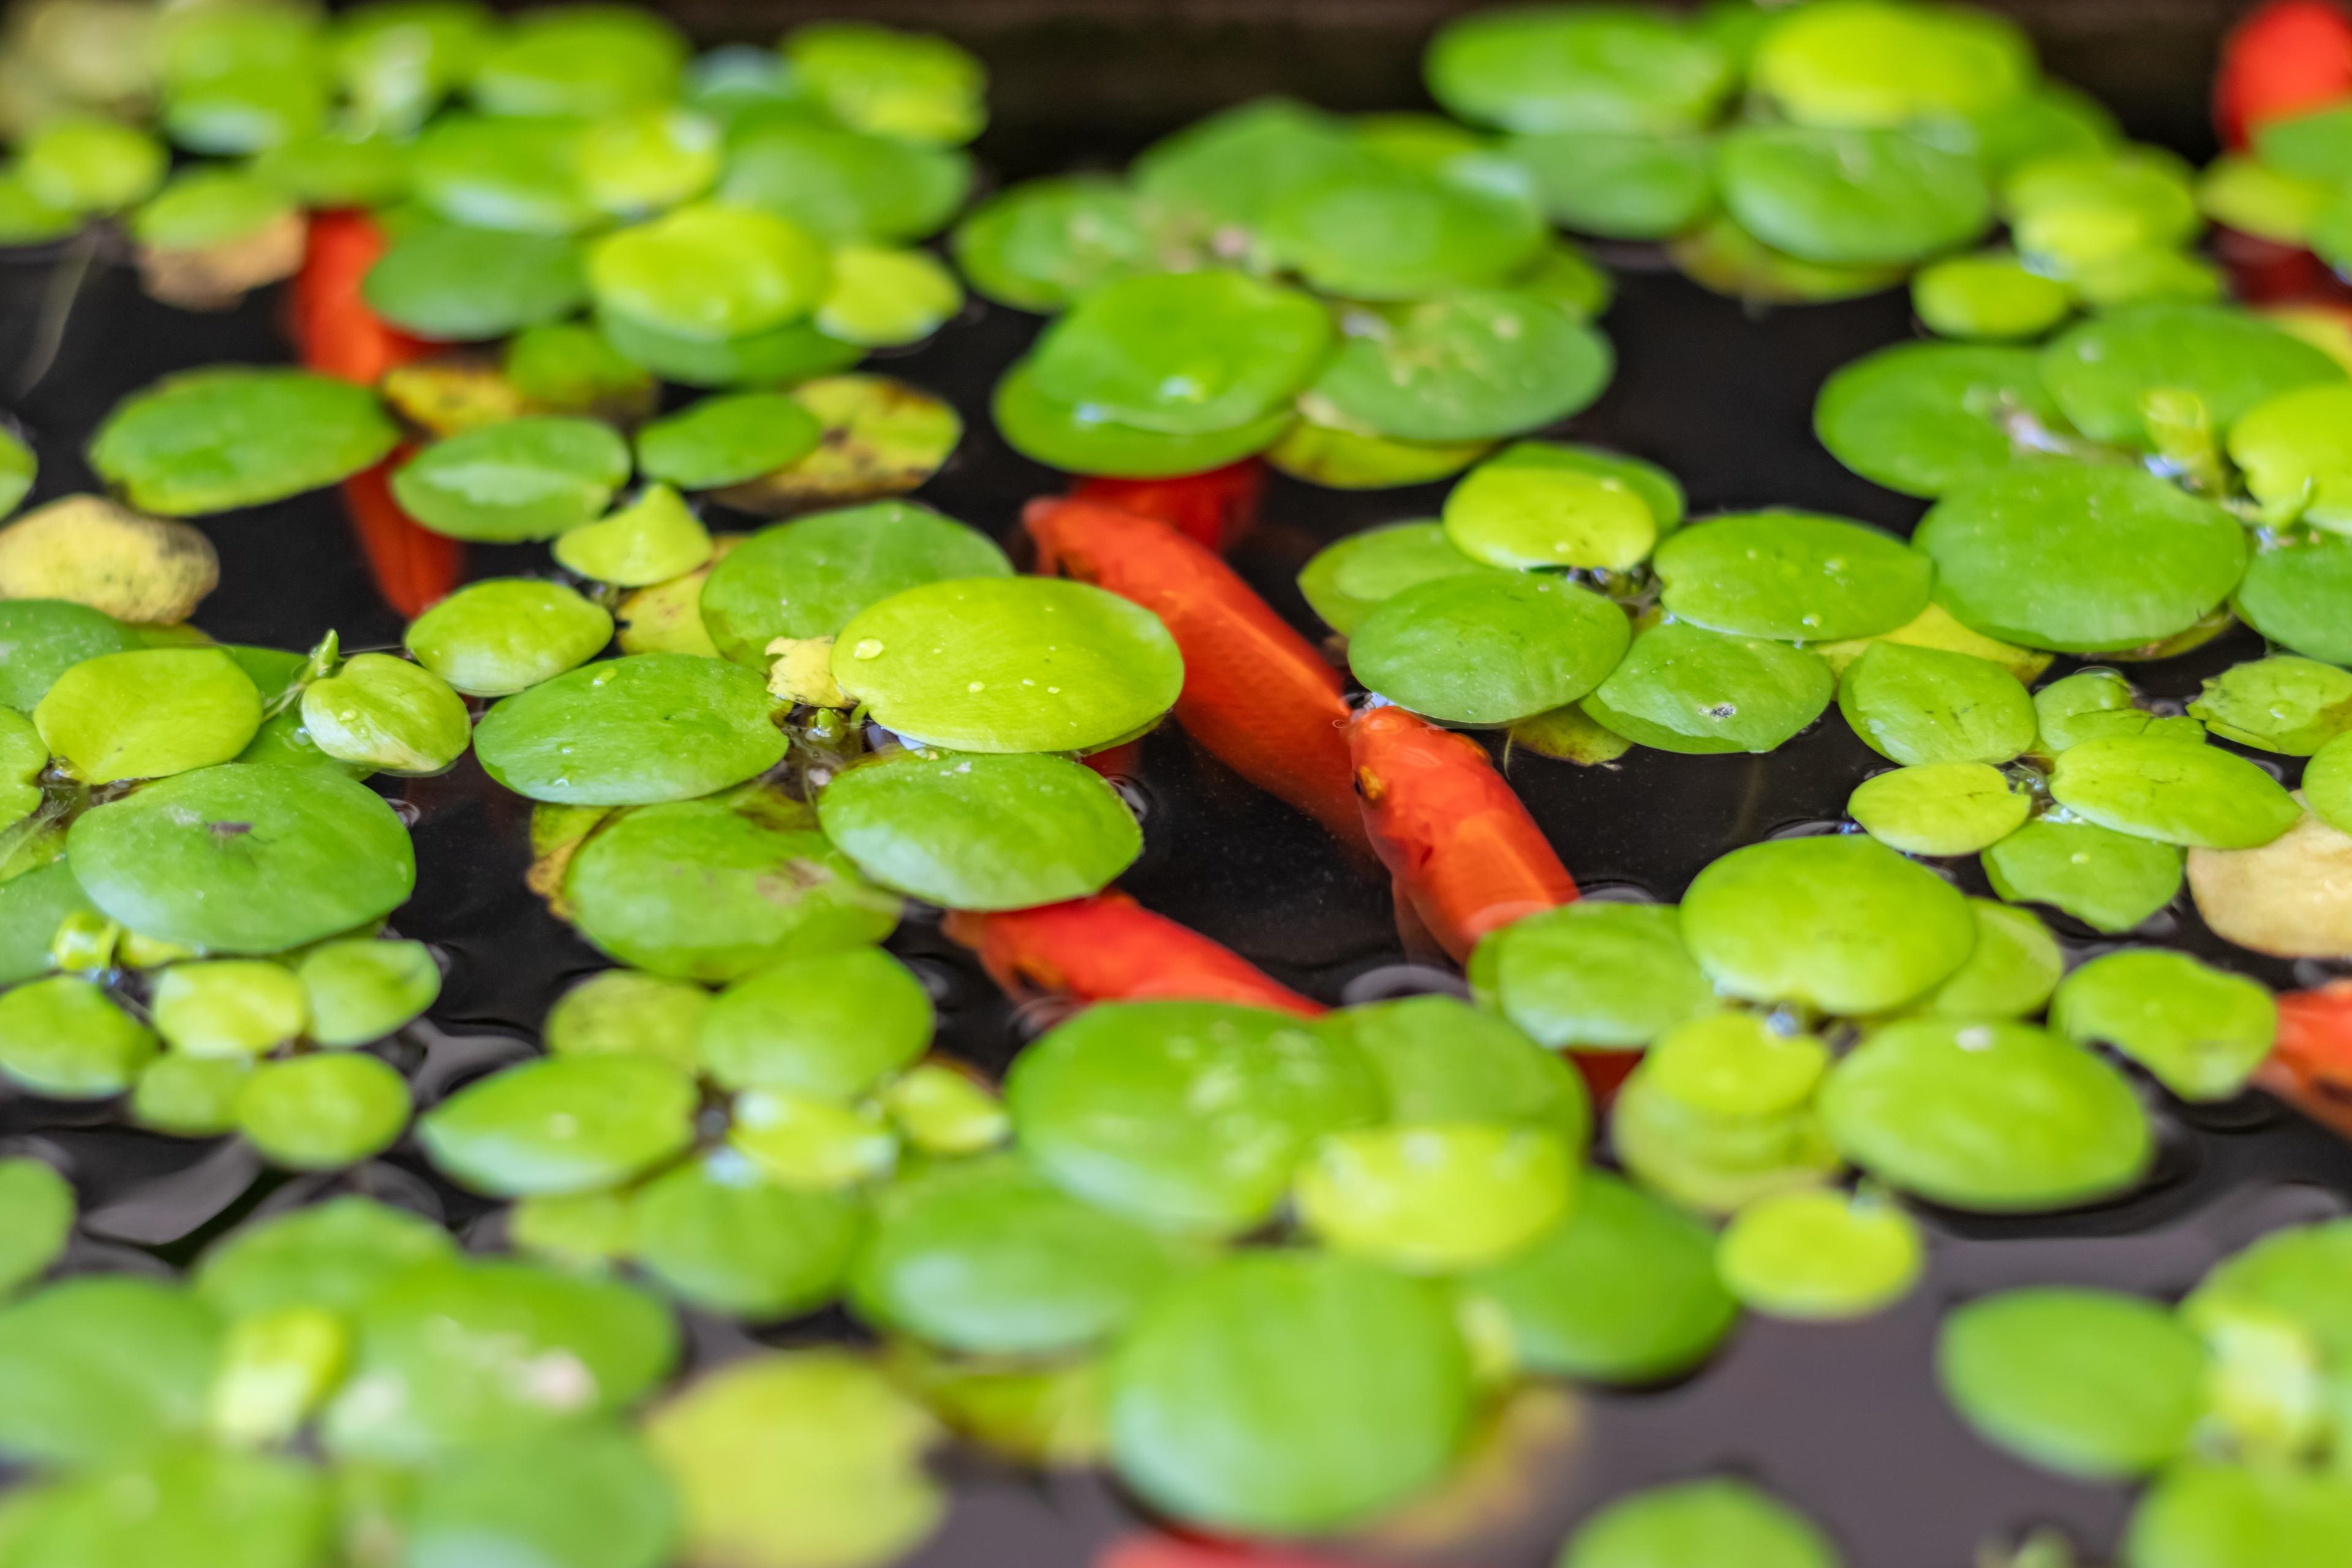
(986, 1257)
(791, 353)
(1229, 171)
(975, 831)
(1821, 1255)
(2301, 596)
(2295, 454)
(1435, 1197)
(2327, 785)
(1579, 69)
(711, 272)
(833, 1025)
(1288, 1393)
(619, 1012)
(1719, 1113)
(841, 1448)
(64, 1039)
(584, 1496)
(1794, 575)
(236, 436)
(718, 1234)
(88, 163)
(648, 159)
(643, 728)
(244, 857)
(189, 1502)
(913, 87)
(1940, 808)
(1915, 705)
(2016, 965)
(1345, 459)
(842, 185)
(322, 1113)
(2082, 559)
(190, 1097)
(1623, 1290)
(2103, 370)
(1470, 366)
(451, 282)
(1382, 230)
(1601, 976)
(522, 479)
(562, 1124)
(726, 440)
(34, 905)
(1837, 922)
(1713, 1521)
(357, 992)
(2087, 1383)
(1852, 197)
(499, 637)
(39, 1204)
(2282, 704)
(1009, 664)
(653, 539)
(1925, 418)
(880, 437)
(1681, 688)
(2205, 1511)
(2175, 792)
(40, 639)
(2201, 1030)
(1869, 62)
(1991, 296)
(1488, 648)
(1997, 1118)
(1181, 353)
(456, 1353)
(213, 210)
(95, 1369)
(887, 298)
(1039, 245)
(1348, 577)
(149, 713)
(386, 714)
(709, 890)
(1617, 184)
(2108, 879)
(579, 60)
(227, 1006)
(1520, 514)
(808, 578)
(1110, 1105)
(1068, 436)
(331, 1255)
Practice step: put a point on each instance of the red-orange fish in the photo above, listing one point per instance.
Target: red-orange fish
(1465, 856)
(337, 334)
(1256, 694)
(2310, 1068)
(1214, 508)
(1109, 948)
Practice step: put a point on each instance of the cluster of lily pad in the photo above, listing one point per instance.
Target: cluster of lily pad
(1817, 152)
(2224, 1404)
(1367, 302)
(742, 216)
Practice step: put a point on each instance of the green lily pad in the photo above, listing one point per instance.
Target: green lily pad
(1039, 245)
(2175, 792)
(1852, 196)
(1488, 648)
(244, 857)
(1939, 807)
(98, 1368)
(1287, 1393)
(1712, 1520)
(642, 728)
(1478, 365)
(1619, 184)
(1066, 435)
(718, 1234)
(1620, 69)
(1599, 976)
(2201, 1030)
(2080, 559)
(1925, 418)
(1348, 578)
(2296, 454)
(358, 992)
(809, 578)
(64, 1039)
(451, 282)
(564, 1124)
(1867, 62)
(1995, 1118)
(503, 634)
(585, 1497)
(711, 272)
(331, 1255)
(149, 713)
(844, 185)
(530, 477)
(1681, 688)
(1181, 353)
(1009, 664)
(1793, 575)
(237, 435)
(726, 440)
(2301, 596)
(322, 1113)
(2109, 880)
(976, 831)
(2102, 371)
